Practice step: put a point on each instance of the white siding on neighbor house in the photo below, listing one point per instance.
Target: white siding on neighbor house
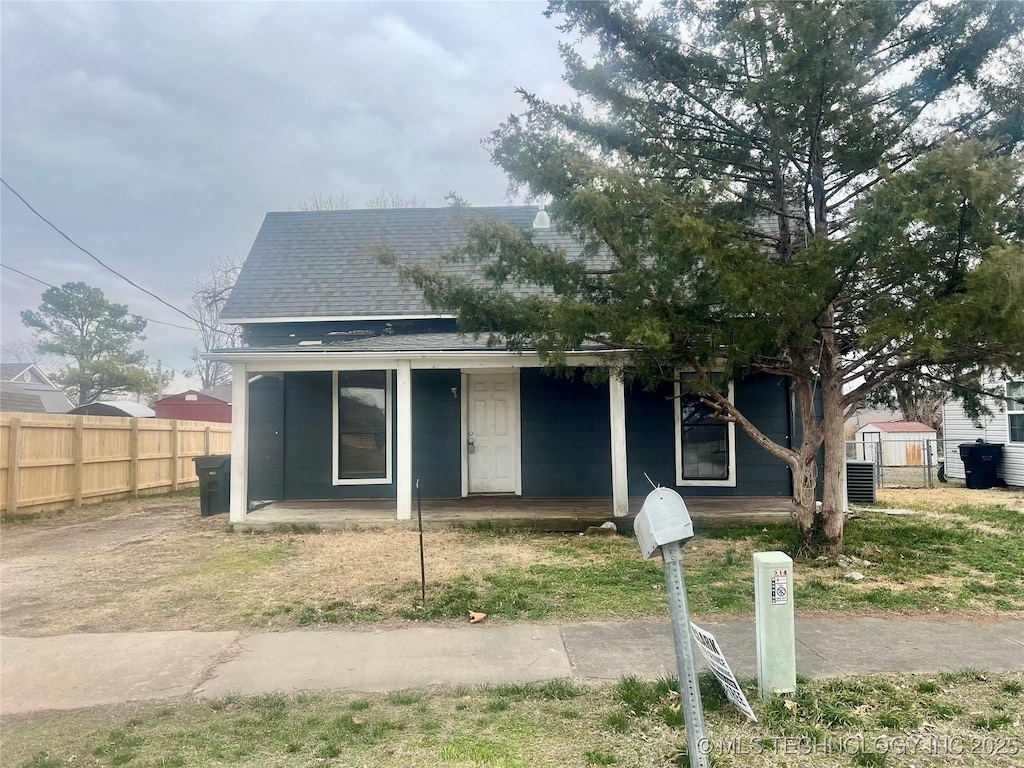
(957, 428)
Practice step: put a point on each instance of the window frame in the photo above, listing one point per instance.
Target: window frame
(389, 437)
(730, 436)
(1014, 407)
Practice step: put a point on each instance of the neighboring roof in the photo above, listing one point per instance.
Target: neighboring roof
(116, 408)
(198, 397)
(899, 426)
(221, 392)
(17, 371)
(34, 397)
(11, 371)
(15, 397)
(324, 264)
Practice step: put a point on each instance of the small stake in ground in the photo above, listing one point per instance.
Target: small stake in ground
(423, 562)
(661, 526)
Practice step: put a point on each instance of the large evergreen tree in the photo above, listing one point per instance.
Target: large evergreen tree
(828, 191)
(77, 321)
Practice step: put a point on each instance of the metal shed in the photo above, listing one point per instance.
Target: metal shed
(895, 443)
(193, 406)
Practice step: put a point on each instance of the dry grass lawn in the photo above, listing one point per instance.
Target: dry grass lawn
(949, 496)
(156, 564)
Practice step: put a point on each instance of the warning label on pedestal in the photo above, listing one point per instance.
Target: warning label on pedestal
(780, 586)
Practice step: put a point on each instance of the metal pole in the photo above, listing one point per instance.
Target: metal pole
(689, 688)
(928, 464)
(423, 564)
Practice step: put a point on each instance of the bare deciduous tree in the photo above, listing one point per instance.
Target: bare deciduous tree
(321, 202)
(392, 199)
(208, 296)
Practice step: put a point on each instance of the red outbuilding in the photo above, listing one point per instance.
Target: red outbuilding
(193, 406)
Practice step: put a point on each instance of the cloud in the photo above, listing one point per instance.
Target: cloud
(158, 134)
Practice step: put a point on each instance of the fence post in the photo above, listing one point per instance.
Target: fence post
(208, 440)
(78, 451)
(174, 455)
(13, 455)
(133, 451)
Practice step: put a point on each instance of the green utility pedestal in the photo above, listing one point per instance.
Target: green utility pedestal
(775, 623)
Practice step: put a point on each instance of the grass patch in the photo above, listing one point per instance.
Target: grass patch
(628, 723)
(199, 576)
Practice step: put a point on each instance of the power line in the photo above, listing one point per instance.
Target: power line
(48, 285)
(60, 232)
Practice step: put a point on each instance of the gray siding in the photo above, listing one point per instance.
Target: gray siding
(650, 441)
(566, 436)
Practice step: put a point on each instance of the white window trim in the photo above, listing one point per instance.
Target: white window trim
(729, 482)
(1011, 411)
(389, 436)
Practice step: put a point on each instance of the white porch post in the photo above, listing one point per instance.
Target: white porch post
(617, 414)
(403, 484)
(239, 443)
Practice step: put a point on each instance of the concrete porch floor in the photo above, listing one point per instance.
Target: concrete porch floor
(547, 514)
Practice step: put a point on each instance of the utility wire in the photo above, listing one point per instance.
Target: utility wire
(60, 232)
(48, 285)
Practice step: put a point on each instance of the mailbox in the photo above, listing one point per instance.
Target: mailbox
(663, 519)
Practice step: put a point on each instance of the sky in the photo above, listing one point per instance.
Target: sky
(157, 135)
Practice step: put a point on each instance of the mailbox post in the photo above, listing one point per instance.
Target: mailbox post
(662, 525)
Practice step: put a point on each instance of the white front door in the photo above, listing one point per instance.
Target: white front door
(492, 439)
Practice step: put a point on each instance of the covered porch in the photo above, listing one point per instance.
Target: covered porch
(550, 514)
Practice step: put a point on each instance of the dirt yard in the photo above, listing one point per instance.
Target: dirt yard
(156, 564)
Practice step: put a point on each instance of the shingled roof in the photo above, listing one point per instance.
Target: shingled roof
(324, 264)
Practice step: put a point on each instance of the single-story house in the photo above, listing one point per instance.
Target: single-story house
(1004, 426)
(25, 388)
(895, 443)
(348, 386)
(127, 408)
(193, 406)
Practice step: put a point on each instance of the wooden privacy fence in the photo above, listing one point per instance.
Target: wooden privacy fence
(53, 461)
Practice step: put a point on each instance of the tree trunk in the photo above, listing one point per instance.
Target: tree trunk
(833, 497)
(833, 507)
(805, 480)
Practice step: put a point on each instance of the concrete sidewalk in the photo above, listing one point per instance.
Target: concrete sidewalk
(72, 671)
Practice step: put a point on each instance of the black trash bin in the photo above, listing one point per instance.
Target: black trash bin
(214, 483)
(981, 460)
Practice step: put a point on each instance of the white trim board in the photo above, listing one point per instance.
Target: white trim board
(324, 360)
(329, 319)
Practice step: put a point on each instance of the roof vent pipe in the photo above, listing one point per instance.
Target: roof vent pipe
(542, 220)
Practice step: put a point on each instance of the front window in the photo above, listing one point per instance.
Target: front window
(1015, 410)
(362, 418)
(705, 453)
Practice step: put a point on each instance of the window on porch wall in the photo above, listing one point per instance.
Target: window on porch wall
(362, 445)
(705, 446)
(1015, 411)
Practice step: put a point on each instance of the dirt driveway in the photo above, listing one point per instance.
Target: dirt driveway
(57, 571)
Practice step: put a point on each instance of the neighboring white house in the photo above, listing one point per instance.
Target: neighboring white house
(899, 443)
(1005, 426)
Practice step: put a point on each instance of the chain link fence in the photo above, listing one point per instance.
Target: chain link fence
(907, 463)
